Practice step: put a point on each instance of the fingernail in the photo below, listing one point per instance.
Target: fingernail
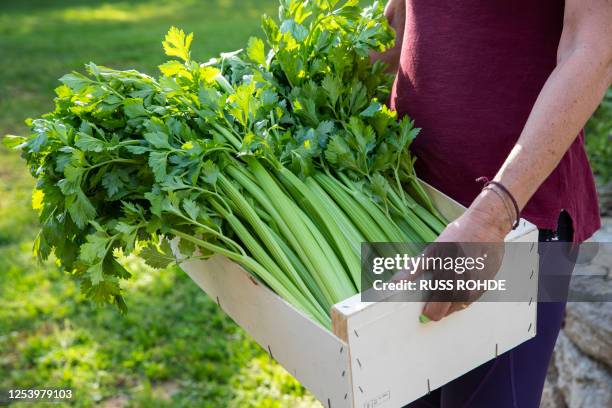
(423, 319)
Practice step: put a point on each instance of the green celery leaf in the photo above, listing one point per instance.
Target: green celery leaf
(158, 256)
(89, 143)
(191, 208)
(333, 87)
(256, 51)
(210, 172)
(95, 248)
(158, 139)
(158, 163)
(298, 31)
(173, 68)
(177, 44)
(75, 81)
(81, 210)
(134, 107)
(12, 141)
(372, 109)
(96, 273)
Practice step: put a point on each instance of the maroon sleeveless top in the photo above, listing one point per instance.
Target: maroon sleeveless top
(470, 72)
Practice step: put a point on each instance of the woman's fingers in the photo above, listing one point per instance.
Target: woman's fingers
(435, 311)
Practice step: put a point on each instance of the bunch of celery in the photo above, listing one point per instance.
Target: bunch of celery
(252, 156)
(317, 66)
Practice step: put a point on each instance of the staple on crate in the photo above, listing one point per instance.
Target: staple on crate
(218, 302)
(529, 329)
(252, 279)
(530, 300)
(532, 272)
(346, 395)
(360, 389)
(341, 349)
(428, 387)
(359, 362)
(328, 403)
(270, 351)
(496, 349)
(343, 373)
(356, 334)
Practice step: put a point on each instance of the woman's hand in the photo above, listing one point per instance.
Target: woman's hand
(481, 230)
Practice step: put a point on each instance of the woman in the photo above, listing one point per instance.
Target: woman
(502, 90)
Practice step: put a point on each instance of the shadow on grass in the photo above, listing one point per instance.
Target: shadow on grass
(41, 43)
(51, 337)
(174, 347)
(91, 10)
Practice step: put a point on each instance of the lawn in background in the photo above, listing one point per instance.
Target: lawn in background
(175, 347)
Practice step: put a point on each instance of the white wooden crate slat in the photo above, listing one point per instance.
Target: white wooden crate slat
(379, 355)
(387, 341)
(312, 354)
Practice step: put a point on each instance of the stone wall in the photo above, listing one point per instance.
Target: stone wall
(580, 374)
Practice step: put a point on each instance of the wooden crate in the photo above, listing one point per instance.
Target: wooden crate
(378, 355)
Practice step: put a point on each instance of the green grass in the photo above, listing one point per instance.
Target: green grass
(175, 347)
(599, 139)
(42, 40)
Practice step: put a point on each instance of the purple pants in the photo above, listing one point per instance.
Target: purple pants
(514, 379)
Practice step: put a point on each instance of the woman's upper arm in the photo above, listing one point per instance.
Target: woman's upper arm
(587, 25)
(395, 11)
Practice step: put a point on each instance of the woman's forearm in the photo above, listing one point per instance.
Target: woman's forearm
(569, 96)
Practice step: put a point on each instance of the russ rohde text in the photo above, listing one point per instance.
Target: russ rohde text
(441, 285)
